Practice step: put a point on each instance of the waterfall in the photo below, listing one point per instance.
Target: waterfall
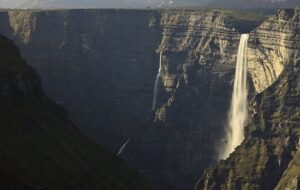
(123, 147)
(239, 106)
(156, 83)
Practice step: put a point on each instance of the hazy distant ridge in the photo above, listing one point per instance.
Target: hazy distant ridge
(146, 3)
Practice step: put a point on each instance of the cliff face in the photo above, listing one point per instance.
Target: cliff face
(268, 157)
(193, 38)
(40, 147)
(273, 45)
(195, 86)
(103, 68)
(100, 69)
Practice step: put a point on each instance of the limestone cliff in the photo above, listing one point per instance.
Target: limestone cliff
(196, 70)
(199, 50)
(272, 46)
(190, 38)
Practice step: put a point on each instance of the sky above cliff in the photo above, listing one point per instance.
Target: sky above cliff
(96, 3)
(143, 3)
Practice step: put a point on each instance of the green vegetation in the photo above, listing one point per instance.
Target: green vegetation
(245, 21)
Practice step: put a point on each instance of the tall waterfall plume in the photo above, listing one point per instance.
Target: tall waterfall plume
(156, 83)
(239, 106)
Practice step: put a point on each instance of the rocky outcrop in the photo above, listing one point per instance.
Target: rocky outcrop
(40, 147)
(272, 46)
(190, 38)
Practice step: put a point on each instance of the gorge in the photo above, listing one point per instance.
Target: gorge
(155, 86)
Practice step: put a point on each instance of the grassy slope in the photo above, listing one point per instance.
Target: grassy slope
(245, 21)
(40, 148)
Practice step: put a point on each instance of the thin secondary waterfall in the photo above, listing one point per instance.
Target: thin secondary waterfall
(123, 147)
(239, 106)
(156, 83)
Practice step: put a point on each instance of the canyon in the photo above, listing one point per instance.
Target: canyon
(101, 65)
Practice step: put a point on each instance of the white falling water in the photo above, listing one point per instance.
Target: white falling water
(123, 147)
(239, 106)
(156, 83)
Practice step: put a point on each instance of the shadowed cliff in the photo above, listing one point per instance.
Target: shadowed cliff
(39, 147)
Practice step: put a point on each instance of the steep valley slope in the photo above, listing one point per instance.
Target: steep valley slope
(40, 148)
